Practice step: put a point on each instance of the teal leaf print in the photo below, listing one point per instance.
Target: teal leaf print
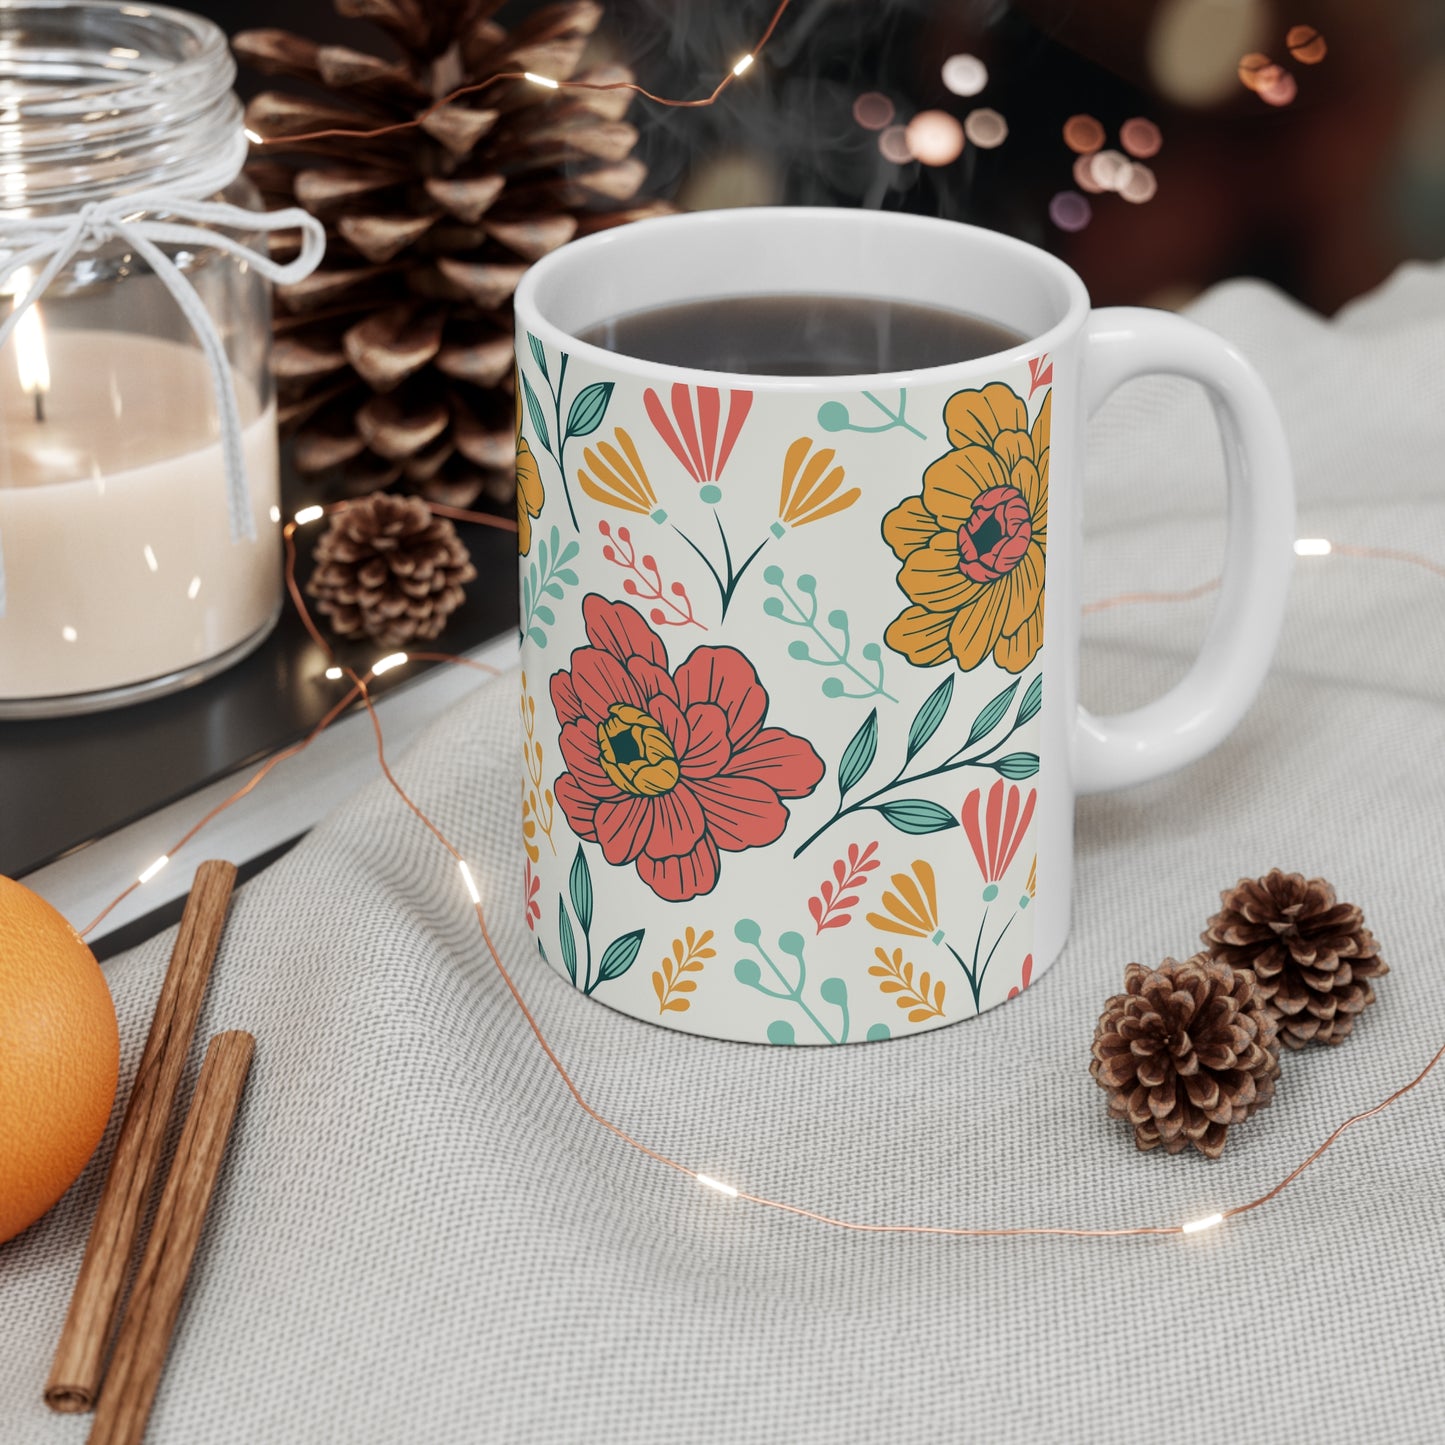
(795, 612)
(547, 576)
(567, 940)
(918, 815)
(1017, 765)
(878, 1032)
(749, 973)
(992, 715)
(580, 884)
(928, 717)
(589, 406)
(539, 355)
(858, 755)
(1033, 700)
(620, 955)
(834, 416)
(534, 410)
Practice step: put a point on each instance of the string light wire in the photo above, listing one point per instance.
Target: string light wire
(742, 65)
(360, 691)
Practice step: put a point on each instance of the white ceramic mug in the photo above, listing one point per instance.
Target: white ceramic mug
(801, 748)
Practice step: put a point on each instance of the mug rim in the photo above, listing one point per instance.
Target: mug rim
(591, 249)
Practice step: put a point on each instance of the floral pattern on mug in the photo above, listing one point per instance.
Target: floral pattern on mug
(972, 544)
(530, 495)
(666, 770)
(692, 433)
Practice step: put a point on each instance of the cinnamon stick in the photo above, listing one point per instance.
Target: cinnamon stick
(155, 1298)
(79, 1362)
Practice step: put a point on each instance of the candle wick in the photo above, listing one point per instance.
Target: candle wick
(39, 404)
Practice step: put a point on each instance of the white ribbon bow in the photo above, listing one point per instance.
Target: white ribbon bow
(52, 242)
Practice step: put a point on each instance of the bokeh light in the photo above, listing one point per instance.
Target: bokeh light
(893, 142)
(872, 110)
(1140, 184)
(1252, 66)
(1140, 137)
(1306, 44)
(1110, 169)
(934, 137)
(1083, 134)
(965, 74)
(985, 128)
(1279, 88)
(1084, 175)
(1070, 211)
(1194, 46)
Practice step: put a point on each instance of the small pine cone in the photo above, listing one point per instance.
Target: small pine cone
(1185, 1051)
(388, 570)
(1313, 957)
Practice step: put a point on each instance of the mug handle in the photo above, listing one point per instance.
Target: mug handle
(1198, 712)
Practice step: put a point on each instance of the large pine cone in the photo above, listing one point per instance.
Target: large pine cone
(1313, 957)
(1185, 1051)
(388, 570)
(394, 360)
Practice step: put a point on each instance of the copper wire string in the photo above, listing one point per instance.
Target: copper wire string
(344, 133)
(359, 690)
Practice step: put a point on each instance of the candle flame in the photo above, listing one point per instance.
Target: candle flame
(31, 358)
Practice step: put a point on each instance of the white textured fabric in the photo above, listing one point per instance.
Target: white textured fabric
(418, 1236)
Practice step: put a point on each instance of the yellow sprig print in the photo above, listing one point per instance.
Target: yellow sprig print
(923, 1001)
(672, 982)
(539, 808)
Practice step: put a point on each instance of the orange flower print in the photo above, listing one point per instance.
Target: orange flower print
(530, 495)
(810, 492)
(972, 544)
(911, 905)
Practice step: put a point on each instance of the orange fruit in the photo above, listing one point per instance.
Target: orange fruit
(59, 1056)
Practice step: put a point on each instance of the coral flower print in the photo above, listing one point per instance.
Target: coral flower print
(531, 887)
(972, 544)
(1004, 825)
(698, 435)
(667, 770)
(529, 485)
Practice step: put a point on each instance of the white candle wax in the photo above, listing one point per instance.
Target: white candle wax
(114, 522)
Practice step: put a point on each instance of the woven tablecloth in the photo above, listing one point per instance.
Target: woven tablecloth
(419, 1237)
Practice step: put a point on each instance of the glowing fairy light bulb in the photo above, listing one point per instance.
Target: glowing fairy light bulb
(742, 64)
(1312, 547)
(542, 80)
(148, 873)
(471, 882)
(385, 664)
(708, 1182)
(1197, 1226)
(309, 514)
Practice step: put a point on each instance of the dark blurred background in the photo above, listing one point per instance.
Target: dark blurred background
(1302, 141)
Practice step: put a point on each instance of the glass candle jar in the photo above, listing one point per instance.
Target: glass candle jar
(136, 560)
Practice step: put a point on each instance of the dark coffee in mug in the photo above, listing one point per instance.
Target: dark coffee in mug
(801, 335)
